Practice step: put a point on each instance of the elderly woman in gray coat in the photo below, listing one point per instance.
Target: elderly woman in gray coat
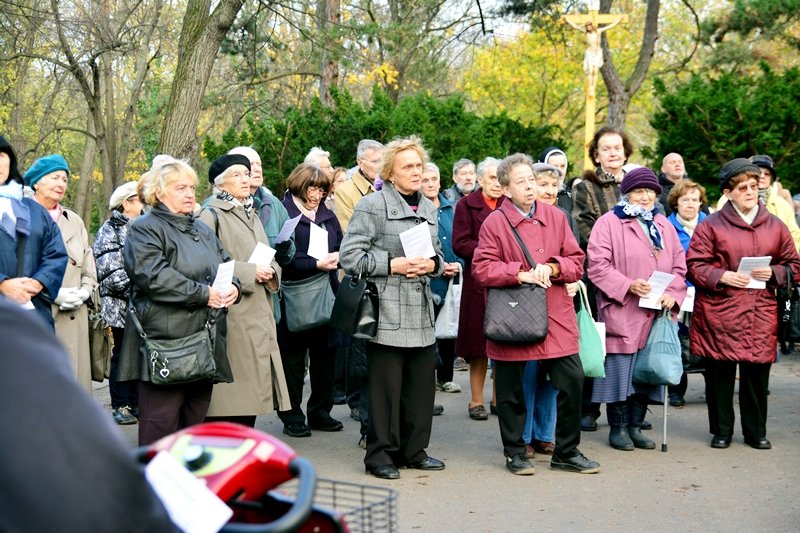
(401, 356)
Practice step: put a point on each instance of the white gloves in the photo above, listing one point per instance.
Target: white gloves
(70, 298)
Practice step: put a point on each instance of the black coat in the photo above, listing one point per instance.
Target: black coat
(172, 260)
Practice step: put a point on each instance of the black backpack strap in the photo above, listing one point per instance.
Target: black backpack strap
(216, 220)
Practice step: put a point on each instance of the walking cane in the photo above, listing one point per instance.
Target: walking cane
(664, 436)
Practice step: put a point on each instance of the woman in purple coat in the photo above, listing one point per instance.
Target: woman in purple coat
(627, 245)
(733, 324)
(500, 262)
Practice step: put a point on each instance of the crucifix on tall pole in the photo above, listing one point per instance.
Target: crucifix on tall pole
(593, 24)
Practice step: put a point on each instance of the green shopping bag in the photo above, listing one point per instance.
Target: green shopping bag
(591, 339)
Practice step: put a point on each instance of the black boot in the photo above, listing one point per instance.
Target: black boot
(638, 408)
(618, 437)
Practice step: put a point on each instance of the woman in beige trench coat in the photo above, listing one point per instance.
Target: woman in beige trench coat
(48, 177)
(259, 385)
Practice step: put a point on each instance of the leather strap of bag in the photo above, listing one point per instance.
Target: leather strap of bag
(531, 262)
(138, 325)
(21, 238)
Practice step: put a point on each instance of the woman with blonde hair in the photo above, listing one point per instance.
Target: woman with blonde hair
(172, 260)
(401, 356)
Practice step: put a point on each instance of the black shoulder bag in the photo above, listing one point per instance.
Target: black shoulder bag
(356, 308)
(788, 312)
(516, 314)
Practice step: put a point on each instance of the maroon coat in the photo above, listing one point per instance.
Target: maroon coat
(737, 324)
(470, 213)
(499, 259)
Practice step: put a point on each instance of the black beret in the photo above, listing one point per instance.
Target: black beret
(221, 164)
(733, 168)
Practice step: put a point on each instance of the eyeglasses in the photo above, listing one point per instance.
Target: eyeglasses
(689, 200)
(239, 175)
(744, 187)
(316, 191)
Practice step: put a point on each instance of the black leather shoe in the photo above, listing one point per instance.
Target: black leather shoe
(588, 423)
(759, 443)
(297, 430)
(645, 425)
(327, 425)
(339, 399)
(384, 472)
(720, 441)
(429, 463)
(438, 409)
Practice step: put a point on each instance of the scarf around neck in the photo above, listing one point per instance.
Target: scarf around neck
(15, 216)
(625, 210)
(688, 225)
(247, 204)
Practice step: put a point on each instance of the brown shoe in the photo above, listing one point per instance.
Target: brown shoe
(530, 453)
(544, 448)
(478, 413)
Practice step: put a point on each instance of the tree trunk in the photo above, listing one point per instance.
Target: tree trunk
(328, 16)
(620, 92)
(201, 36)
(83, 200)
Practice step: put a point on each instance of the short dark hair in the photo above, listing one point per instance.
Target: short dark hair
(608, 130)
(307, 175)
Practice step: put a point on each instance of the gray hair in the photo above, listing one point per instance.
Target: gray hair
(164, 170)
(485, 164)
(461, 163)
(247, 151)
(367, 144)
(315, 154)
(219, 180)
(507, 165)
(431, 167)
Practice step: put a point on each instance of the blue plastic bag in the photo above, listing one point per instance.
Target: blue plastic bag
(659, 362)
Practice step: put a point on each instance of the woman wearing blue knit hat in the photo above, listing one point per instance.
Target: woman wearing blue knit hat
(49, 177)
(32, 255)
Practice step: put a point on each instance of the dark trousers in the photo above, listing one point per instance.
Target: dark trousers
(447, 353)
(321, 368)
(566, 375)
(167, 409)
(753, 386)
(401, 391)
(122, 392)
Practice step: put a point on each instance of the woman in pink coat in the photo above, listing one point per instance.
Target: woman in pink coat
(731, 324)
(500, 262)
(627, 245)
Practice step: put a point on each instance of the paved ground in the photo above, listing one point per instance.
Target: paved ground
(691, 487)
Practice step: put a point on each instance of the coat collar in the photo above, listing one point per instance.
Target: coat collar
(518, 218)
(475, 200)
(323, 213)
(361, 183)
(228, 207)
(732, 217)
(397, 208)
(182, 222)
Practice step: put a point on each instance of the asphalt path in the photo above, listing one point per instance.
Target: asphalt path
(690, 487)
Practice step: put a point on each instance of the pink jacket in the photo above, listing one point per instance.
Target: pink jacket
(619, 253)
(499, 258)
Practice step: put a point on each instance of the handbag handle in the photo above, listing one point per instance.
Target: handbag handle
(142, 334)
(531, 262)
(584, 298)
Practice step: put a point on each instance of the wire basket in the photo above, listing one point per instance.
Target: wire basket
(364, 508)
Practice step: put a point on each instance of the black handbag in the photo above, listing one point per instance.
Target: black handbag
(183, 360)
(101, 341)
(356, 309)
(516, 314)
(788, 311)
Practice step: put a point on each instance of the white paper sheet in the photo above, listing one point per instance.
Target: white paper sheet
(190, 504)
(747, 265)
(28, 306)
(317, 242)
(659, 281)
(688, 303)
(417, 241)
(287, 230)
(262, 255)
(224, 279)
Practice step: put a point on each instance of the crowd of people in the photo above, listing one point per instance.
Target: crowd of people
(156, 261)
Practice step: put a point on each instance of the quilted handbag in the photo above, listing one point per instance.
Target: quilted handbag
(516, 314)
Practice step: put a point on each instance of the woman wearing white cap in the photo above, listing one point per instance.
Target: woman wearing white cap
(115, 288)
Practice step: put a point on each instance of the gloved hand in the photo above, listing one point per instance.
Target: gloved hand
(83, 294)
(64, 294)
(70, 298)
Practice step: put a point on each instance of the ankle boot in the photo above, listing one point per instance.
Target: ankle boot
(638, 408)
(618, 437)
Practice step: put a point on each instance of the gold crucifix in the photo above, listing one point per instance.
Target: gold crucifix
(593, 24)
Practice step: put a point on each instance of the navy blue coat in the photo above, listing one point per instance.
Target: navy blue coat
(45, 258)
